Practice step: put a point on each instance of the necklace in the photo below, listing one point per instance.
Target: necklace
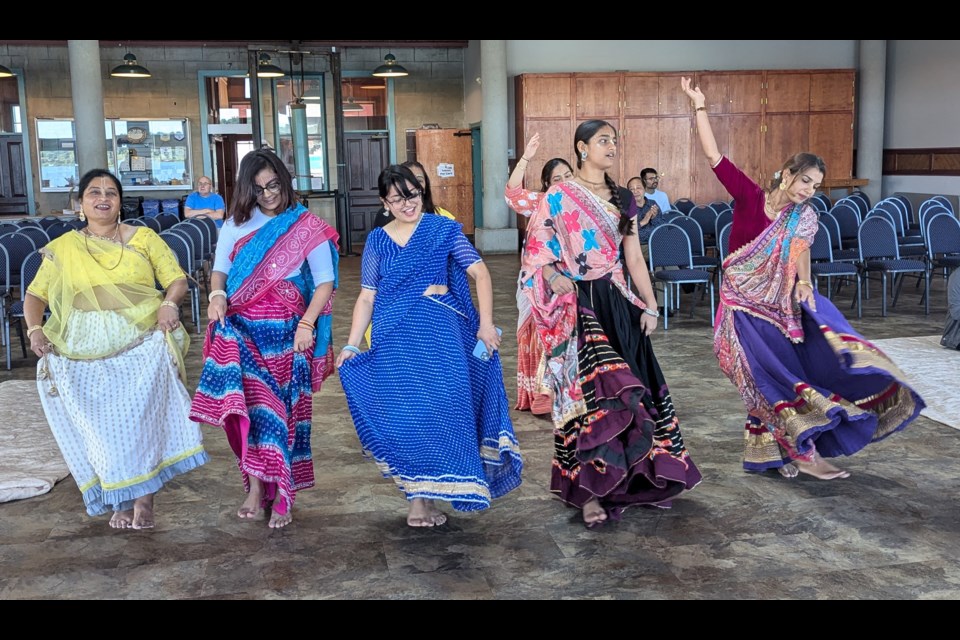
(595, 184)
(87, 234)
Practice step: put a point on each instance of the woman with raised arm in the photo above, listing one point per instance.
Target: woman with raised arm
(531, 394)
(617, 439)
(813, 387)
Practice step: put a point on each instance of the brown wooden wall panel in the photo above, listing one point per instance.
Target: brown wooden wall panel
(922, 162)
(787, 92)
(639, 145)
(641, 95)
(597, 97)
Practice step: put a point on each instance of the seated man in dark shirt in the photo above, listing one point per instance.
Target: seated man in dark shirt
(951, 333)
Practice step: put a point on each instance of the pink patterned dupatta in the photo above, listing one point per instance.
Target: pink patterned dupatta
(759, 278)
(575, 232)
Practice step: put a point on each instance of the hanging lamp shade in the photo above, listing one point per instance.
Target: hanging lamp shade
(130, 68)
(390, 68)
(351, 105)
(266, 68)
(5, 72)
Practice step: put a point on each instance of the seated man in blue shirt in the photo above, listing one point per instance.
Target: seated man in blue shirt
(204, 202)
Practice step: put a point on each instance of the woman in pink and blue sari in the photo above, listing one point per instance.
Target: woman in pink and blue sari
(813, 387)
(617, 440)
(269, 343)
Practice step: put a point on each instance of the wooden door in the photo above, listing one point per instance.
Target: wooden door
(738, 138)
(784, 135)
(227, 161)
(544, 96)
(641, 95)
(366, 155)
(831, 138)
(639, 146)
(674, 165)
(729, 93)
(13, 176)
(447, 156)
(598, 97)
(831, 91)
(787, 92)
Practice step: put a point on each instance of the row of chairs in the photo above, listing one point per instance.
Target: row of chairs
(192, 241)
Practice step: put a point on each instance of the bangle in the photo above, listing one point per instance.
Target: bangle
(170, 303)
(554, 277)
(651, 312)
(699, 109)
(306, 325)
(216, 292)
(33, 329)
(351, 349)
(806, 282)
(523, 158)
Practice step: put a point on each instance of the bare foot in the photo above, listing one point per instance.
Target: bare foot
(278, 520)
(438, 517)
(122, 519)
(593, 513)
(251, 509)
(419, 514)
(789, 470)
(143, 512)
(820, 468)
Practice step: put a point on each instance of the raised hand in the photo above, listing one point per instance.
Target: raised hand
(696, 96)
(532, 145)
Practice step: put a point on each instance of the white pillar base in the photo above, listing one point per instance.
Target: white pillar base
(489, 241)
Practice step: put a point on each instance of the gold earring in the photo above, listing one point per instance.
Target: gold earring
(83, 218)
(783, 186)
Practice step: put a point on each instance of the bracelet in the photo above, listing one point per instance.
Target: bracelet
(699, 109)
(523, 158)
(554, 277)
(33, 329)
(169, 303)
(351, 349)
(215, 293)
(306, 325)
(806, 282)
(651, 312)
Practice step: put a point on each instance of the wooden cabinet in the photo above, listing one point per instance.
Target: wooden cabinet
(759, 118)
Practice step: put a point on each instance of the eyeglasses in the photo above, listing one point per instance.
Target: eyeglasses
(401, 200)
(273, 187)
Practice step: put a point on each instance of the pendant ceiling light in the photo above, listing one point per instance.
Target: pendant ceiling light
(266, 68)
(5, 72)
(351, 105)
(390, 68)
(130, 68)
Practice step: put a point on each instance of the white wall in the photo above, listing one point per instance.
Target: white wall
(553, 56)
(922, 107)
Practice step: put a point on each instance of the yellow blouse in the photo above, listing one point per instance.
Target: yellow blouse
(146, 242)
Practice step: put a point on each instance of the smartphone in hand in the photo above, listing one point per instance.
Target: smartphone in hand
(480, 351)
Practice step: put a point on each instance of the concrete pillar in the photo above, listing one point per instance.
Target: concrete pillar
(86, 85)
(495, 236)
(873, 74)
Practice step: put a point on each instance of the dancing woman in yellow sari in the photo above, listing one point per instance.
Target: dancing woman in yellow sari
(111, 374)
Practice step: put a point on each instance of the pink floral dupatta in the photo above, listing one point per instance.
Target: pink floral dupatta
(575, 232)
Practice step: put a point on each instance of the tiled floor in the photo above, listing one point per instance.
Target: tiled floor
(890, 531)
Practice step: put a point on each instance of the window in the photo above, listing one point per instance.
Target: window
(311, 95)
(145, 154)
(15, 118)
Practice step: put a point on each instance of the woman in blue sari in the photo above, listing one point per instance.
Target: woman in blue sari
(427, 398)
(269, 342)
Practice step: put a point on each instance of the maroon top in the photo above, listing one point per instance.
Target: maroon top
(749, 220)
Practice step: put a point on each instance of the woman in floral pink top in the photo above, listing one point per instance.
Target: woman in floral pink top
(617, 438)
(531, 395)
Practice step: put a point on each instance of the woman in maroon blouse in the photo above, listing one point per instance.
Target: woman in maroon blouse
(813, 387)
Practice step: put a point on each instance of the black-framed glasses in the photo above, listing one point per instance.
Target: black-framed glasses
(393, 202)
(273, 187)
